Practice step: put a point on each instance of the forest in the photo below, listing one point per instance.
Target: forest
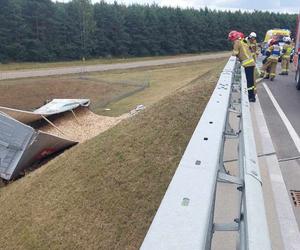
(42, 30)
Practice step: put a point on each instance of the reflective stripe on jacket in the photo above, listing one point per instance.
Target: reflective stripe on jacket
(275, 51)
(242, 52)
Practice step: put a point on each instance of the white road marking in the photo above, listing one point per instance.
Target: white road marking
(286, 217)
(287, 123)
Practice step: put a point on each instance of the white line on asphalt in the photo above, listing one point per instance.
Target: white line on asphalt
(287, 123)
(288, 223)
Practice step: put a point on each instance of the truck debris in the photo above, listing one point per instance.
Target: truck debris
(21, 146)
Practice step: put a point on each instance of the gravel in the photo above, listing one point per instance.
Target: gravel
(82, 125)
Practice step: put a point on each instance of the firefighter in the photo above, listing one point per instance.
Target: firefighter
(286, 55)
(266, 74)
(242, 52)
(252, 43)
(251, 39)
(273, 53)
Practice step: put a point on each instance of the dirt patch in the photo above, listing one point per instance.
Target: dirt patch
(80, 125)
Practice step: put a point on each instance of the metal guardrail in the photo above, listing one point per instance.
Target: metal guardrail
(254, 223)
(185, 218)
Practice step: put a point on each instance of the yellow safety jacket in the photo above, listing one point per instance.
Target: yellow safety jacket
(287, 50)
(253, 48)
(275, 52)
(242, 51)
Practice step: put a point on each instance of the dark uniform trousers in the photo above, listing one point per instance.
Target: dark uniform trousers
(249, 71)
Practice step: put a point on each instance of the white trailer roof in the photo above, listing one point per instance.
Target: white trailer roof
(56, 106)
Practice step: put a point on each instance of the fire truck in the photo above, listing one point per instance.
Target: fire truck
(297, 53)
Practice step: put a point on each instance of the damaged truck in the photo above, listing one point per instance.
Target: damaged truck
(21, 145)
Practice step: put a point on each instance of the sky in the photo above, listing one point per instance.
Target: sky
(289, 6)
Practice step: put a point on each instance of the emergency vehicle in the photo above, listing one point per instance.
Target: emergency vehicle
(275, 34)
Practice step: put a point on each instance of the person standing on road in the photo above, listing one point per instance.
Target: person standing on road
(242, 51)
(266, 74)
(286, 56)
(273, 53)
(251, 39)
(252, 43)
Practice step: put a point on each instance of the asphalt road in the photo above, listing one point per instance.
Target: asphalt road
(105, 67)
(280, 102)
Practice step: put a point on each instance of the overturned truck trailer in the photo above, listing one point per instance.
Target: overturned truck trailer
(21, 146)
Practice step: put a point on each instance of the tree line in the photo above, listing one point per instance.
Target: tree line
(42, 30)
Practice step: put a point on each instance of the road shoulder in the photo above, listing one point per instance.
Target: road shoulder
(284, 231)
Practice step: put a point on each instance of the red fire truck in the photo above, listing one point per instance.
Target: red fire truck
(297, 53)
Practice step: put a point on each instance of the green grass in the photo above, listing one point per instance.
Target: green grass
(41, 65)
(103, 194)
(30, 93)
(162, 81)
(118, 90)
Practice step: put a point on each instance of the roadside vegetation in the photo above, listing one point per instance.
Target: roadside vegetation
(159, 82)
(32, 30)
(120, 90)
(103, 194)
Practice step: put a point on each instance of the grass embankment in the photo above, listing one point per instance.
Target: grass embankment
(30, 93)
(119, 90)
(41, 65)
(103, 194)
(161, 81)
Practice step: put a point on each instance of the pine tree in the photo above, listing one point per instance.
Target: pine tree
(11, 31)
(43, 30)
(83, 26)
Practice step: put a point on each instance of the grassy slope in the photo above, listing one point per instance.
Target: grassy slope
(103, 194)
(31, 93)
(162, 80)
(118, 88)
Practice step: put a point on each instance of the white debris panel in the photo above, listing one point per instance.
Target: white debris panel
(21, 146)
(56, 106)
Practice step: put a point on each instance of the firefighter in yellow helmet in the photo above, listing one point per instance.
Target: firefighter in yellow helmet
(252, 43)
(286, 55)
(273, 53)
(242, 52)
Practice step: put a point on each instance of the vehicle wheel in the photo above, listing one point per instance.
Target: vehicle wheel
(298, 80)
